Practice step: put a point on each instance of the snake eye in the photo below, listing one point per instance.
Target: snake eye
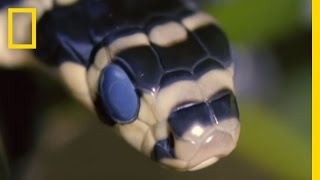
(118, 95)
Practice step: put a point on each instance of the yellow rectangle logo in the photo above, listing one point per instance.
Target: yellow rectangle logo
(33, 12)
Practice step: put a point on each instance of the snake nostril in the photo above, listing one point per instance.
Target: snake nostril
(171, 140)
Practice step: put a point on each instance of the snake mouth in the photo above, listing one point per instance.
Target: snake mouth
(216, 142)
(217, 145)
(205, 163)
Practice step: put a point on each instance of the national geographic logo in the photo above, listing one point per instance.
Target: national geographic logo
(11, 12)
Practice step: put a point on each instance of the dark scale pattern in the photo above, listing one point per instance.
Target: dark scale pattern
(71, 32)
(220, 107)
(191, 115)
(216, 43)
(118, 33)
(153, 67)
(61, 36)
(175, 76)
(144, 65)
(182, 55)
(205, 66)
(224, 105)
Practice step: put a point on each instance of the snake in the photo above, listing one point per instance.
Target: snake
(159, 72)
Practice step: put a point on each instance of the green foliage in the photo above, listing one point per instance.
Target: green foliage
(254, 21)
(268, 141)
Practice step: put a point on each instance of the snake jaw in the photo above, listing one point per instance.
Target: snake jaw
(215, 142)
(216, 145)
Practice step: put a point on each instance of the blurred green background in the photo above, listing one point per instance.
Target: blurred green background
(271, 42)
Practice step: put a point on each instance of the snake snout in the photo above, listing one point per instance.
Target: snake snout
(214, 146)
(202, 133)
(202, 146)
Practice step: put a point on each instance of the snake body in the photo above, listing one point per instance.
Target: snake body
(160, 72)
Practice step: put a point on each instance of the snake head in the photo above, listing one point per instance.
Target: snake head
(168, 90)
(175, 126)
